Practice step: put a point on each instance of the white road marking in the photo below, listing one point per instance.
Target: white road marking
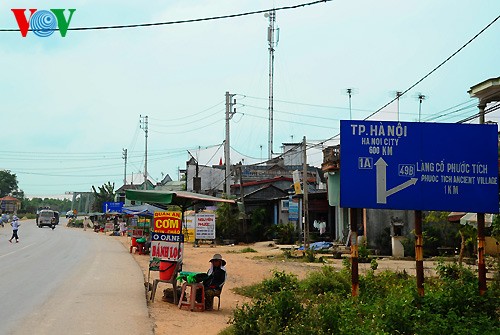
(10, 253)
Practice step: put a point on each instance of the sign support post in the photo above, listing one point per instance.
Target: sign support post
(419, 253)
(354, 252)
(481, 266)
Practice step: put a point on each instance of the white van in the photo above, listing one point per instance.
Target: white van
(47, 217)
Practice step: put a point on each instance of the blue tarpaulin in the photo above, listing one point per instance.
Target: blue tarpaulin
(318, 246)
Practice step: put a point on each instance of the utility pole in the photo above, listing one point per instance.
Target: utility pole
(398, 95)
(349, 92)
(421, 98)
(272, 45)
(144, 126)
(227, 148)
(305, 203)
(242, 194)
(124, 156)
(196, 178)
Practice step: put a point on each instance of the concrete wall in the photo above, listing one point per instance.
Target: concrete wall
(379, 219)
(211, 178)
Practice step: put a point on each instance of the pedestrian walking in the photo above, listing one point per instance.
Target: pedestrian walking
(86, 222)
(15, 227)
(123, 228)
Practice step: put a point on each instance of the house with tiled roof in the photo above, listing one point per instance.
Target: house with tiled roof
(9, 204)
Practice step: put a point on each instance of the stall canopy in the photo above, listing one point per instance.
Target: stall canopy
(180, 198)
(145, 210)
(470, 218)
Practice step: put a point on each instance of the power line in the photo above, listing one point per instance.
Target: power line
(452, 112)
(435, 69)
(154, 24)
(329, 107)
(486, 111)
(242, 154)
(439, 114)
(188, 116)
(290, 113)
(424, 77)
(288, 121)
(306, 104)
(171, 124)
(187, 131)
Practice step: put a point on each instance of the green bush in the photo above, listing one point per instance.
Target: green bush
(383, 240)
(257, 227)
(286, 233)
(409, 246)
(373, 264)
(27, 215)
(327, 280)
(280, 281)
(363, 251)
(432, 239)
(270, 314)
(310, 255)
(387, 304)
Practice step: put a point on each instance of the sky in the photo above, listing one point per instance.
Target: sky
(70, 105)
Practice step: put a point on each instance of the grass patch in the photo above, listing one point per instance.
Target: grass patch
(227, 331)
(248, 249)
(242, 251)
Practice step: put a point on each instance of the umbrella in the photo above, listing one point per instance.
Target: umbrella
(471, 219)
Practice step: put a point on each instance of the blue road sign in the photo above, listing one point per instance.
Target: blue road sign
(113, 207)
(419, 166)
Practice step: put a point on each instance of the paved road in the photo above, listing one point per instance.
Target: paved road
(67, 281)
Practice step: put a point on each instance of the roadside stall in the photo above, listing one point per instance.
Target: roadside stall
(167, 238)
(139, 221)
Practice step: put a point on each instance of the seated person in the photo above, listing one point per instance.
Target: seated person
(215, 280)
(147, 244)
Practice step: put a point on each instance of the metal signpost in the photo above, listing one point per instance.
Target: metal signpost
(419, 166)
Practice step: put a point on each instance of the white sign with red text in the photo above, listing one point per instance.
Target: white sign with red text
(169, 247)
(205, 226)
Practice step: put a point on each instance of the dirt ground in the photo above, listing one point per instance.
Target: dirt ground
(242, 269)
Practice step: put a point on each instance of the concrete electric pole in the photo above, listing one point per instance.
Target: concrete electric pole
(398, 95)
(272, 45)
(144, 126)
(124, 156)
(305, 195)
(227, 148)
(420, 98)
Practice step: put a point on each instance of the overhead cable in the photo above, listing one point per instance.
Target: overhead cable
(155, 24)
(435, 69)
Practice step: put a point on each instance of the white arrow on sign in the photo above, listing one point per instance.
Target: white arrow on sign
(382, 192)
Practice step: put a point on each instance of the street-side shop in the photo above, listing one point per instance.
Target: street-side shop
(169, 232)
